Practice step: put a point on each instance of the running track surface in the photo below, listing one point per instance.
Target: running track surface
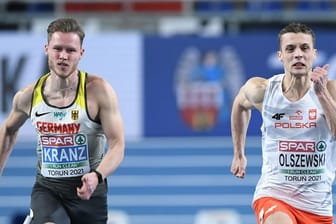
(161, 181)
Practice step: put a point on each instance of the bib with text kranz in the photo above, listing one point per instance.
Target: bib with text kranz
(64, 155)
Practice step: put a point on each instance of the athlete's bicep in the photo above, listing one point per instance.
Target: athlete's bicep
(242, 101)
(20, 109)
(109, 114)
(254, 92)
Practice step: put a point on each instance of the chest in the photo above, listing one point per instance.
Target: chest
(60, 99)
(65, 103)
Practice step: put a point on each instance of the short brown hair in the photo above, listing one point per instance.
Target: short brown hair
(296, 28)
(66, 25)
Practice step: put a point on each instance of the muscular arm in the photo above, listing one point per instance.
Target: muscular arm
(328, 103)
(330, 106)
(104, 107)
(15, 119)
(250, 96)
(111, 120)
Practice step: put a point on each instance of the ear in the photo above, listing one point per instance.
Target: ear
(82, 52)
(46, 49)
(280, 56)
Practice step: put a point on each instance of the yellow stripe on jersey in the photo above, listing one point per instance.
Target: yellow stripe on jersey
(80, 100)
(37, 97)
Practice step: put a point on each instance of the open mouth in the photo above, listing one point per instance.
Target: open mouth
(299, 65)
(62, 64)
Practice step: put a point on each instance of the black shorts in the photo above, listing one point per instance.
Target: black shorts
(54, 203)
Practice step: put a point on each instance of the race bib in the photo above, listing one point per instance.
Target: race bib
(302, 161)
(64, 155)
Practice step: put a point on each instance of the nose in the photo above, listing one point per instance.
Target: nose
(298, 53)
(63, 55)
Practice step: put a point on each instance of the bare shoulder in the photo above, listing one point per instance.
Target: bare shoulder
(99, 89)
(97, 83)
(258, 83)
(94, 81)
(254, 90)
(22, 99)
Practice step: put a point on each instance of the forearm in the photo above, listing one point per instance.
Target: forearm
(240, 119)
(112, 159)
(329, 108)
(7, 141)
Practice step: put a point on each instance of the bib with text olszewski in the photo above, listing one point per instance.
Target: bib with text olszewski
(64, 155)
(302, 161)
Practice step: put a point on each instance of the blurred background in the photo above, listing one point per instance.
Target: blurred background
(176, 66)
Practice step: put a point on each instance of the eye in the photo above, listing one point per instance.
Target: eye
(70, 50)
(57, 48)
(305, 47)
(290, 48)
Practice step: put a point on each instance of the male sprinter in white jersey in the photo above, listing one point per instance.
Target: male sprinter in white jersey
(298, 134)
(74, 115)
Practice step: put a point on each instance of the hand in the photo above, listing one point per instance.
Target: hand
(238, 166)
(319, 77)
(89, 184)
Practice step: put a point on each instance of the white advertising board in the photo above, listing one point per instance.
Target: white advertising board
(114, 56)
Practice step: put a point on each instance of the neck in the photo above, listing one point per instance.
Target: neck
(61, 86)
(295, 87)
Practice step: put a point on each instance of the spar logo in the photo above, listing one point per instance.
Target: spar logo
(63, 140)
(302, 146)
(297, 146)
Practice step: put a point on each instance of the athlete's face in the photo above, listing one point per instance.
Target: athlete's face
(297, 53)
(64, 51)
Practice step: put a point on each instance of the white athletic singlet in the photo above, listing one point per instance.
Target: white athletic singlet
(298, 151)
(69, 142)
